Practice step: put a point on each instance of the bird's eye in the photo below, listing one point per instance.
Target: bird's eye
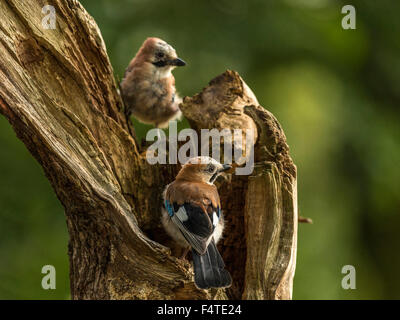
(160, 54)
(211, 168)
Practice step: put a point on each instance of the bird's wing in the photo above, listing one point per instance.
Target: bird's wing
(194, 223)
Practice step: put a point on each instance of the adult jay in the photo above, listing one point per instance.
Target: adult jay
(193, 218)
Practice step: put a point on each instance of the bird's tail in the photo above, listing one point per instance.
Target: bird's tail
(209, 269)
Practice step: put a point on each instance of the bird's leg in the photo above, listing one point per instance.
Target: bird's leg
(159, 137)
(185, 252)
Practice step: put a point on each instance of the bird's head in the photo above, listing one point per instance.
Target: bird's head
(160, 54)
(202, 169)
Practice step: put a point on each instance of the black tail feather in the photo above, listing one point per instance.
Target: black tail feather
(209, 269)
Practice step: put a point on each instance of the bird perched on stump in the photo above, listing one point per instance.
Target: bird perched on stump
(193, 218)
(148, 87)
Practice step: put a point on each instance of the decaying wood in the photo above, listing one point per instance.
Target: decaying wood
(58, 91)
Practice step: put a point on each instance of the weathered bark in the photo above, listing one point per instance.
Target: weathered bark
(58, 91)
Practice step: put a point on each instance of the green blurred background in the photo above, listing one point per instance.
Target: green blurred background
(336, 93)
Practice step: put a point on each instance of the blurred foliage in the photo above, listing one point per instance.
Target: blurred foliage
(336, 93)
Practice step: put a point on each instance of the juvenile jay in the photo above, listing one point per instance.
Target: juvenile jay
(148, 87)
(193, 218)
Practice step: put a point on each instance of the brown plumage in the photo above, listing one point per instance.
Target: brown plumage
(148, 87)
(193, 218)
(201, 194)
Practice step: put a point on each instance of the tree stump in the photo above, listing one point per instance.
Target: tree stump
(58, 92)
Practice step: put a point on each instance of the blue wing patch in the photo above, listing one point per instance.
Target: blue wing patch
(169, 207)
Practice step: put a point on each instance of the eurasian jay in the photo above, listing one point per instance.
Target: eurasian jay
(193, 218)
(148, 87)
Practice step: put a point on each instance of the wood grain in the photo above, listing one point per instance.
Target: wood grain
(58, 91)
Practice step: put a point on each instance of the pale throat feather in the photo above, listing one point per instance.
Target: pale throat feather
(162, 73)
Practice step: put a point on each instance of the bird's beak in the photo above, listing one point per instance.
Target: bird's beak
(177, 62)
(225, 167)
